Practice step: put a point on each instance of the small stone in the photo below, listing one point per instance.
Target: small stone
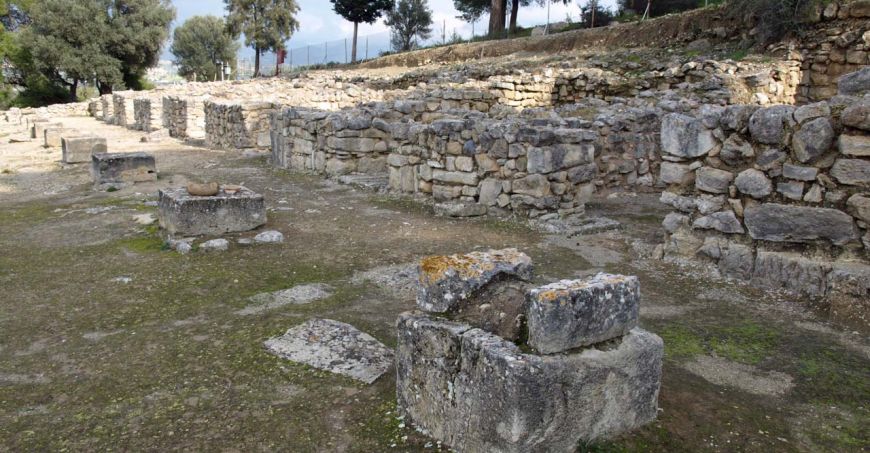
(723, 221)
(814, 195)
(674, 173)
(713, 180)
(855, 145)
(674, 221)
(768, 125)
(792, 189)
(215, 245)
(754, 183)
(269, 237)
(684, 136)
(854, 172)
(203, 190)
(799, 173)
(859, 206)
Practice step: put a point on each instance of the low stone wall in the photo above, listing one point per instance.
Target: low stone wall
(837, 45)
(148, 113)
(184, 117)
(122, 109)
(107, 105)
(238, 126)
(777, 196)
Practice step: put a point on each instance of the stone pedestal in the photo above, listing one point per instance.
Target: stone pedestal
(81, 149)
(463, 378)
(185, 214)
(52, 136)
(122, 168)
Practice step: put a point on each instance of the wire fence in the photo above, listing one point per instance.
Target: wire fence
(340, 51)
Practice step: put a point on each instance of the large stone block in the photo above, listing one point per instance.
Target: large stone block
(477, 392)
(81, 149)
(52, 136)
(185, 214)
(448, 282)
(855, 145)
(684, 136)
(854, 172)
(574, 313)
(120, 168)
(713, 180)
(788, 223)
(813, 139)
(37, 131)
(769, 125)
(855, 83)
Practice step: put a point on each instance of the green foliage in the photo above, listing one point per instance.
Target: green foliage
(201, 46)
(358, 11)
(410, 20)
(775, 18)
(658, 7)
(266, 24)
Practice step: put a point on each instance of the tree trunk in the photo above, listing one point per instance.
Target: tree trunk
(104, 88)
(353, 48)
(515, 8)
(74, 91)
(496, 18)
(256, 62)
(594, 7)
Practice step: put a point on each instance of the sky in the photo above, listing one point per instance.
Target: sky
(319, 24)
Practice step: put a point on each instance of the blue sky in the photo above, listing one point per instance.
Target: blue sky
(319, 23)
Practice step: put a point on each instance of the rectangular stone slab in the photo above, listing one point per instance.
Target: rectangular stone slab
(477, 392)
(79, 149)
(123, 168)
(52, 136)
(574, 313)
(182, 213)
(37, 131)
(788, 223)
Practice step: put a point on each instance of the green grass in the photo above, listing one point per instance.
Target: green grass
(748, 343)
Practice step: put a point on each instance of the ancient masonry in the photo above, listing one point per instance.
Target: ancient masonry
(464, 378)
(764, 162)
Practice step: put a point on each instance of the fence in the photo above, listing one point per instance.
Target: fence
(339, 51)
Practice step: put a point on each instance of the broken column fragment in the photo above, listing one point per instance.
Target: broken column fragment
(484, 289)
(123, 168)
(180, 212)
(574, 313)
(468, 385)
(79, 149)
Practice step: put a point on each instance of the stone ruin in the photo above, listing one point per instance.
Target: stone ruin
(493, 363)
(114, 169)
(229, 210)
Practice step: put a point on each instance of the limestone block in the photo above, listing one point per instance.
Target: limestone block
(52, 136)
(754, 183)
(713, 180)
(813, 139)
(122, 168)
(768, 125)
(855, 145)
(788, 223)
(855, 83)
(78, 149)
(477, 392)
(799, 173)
(854, 172)
(574, 313)
(685, 136)
(723, 221)
(184, 214)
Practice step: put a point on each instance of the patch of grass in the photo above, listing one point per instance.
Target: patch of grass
(747, 343)
(681, 342)
(832, 376)
(738, 54)
(112, 189)
(143, 244)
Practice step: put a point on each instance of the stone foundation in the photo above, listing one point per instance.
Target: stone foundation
(238, 126)
(183, 214)
(123, 168)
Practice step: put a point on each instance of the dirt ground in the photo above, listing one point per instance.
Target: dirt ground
(111, 341)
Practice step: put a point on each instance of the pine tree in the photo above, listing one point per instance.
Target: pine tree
(266, 24)
(358, 11)
(410, 20)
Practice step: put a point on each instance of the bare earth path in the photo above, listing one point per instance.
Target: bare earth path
(108, 341)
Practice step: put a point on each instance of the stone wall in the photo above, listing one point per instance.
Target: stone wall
(837, 45)
(778, 196)
(122, 109)
(238, 126)
(184, 116)
(148, 113)
(107, 105)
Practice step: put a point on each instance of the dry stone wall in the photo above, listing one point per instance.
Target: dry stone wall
(238, 126)
(123, 108)
(778, 196)
(148, 113)
(184, 116)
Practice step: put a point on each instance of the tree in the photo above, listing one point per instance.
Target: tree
(592, 14)
(266, 24)
(202, 47)
(472, 10)
(358, 11)
(657, 7)
(410, 20)
(110, 41)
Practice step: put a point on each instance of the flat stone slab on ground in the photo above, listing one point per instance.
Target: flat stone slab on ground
(335, 347)
(185, 214)
(110, 168)
(78, 149)
(297, 295)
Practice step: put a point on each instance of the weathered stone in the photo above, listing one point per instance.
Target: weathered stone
(477, 392)
(855, 145)
(736, 117)
(335, 347)
(768, 125)
(558, 157)
(724, 221)
(674, 173)
(854, 172)
(737, 261)
(184, 214)
(462, 209)
(780, 270)
(754, 183)
(574, 313)
(855, 83)
(455, 177)
(849, 293)
(787, 223)
(685, 136)
(674, 221)
(80, 149)
(533, 185)
(812, 111)
(681, 203)
(713, 180)
(799, 173)
(814, 138)
(447, 283)
(109, 168)
(215, 245)
(297, 295)
(859, 206)
(736, 150)
(53, 135)
(857, 115)
(793, 190)
(269, 237)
